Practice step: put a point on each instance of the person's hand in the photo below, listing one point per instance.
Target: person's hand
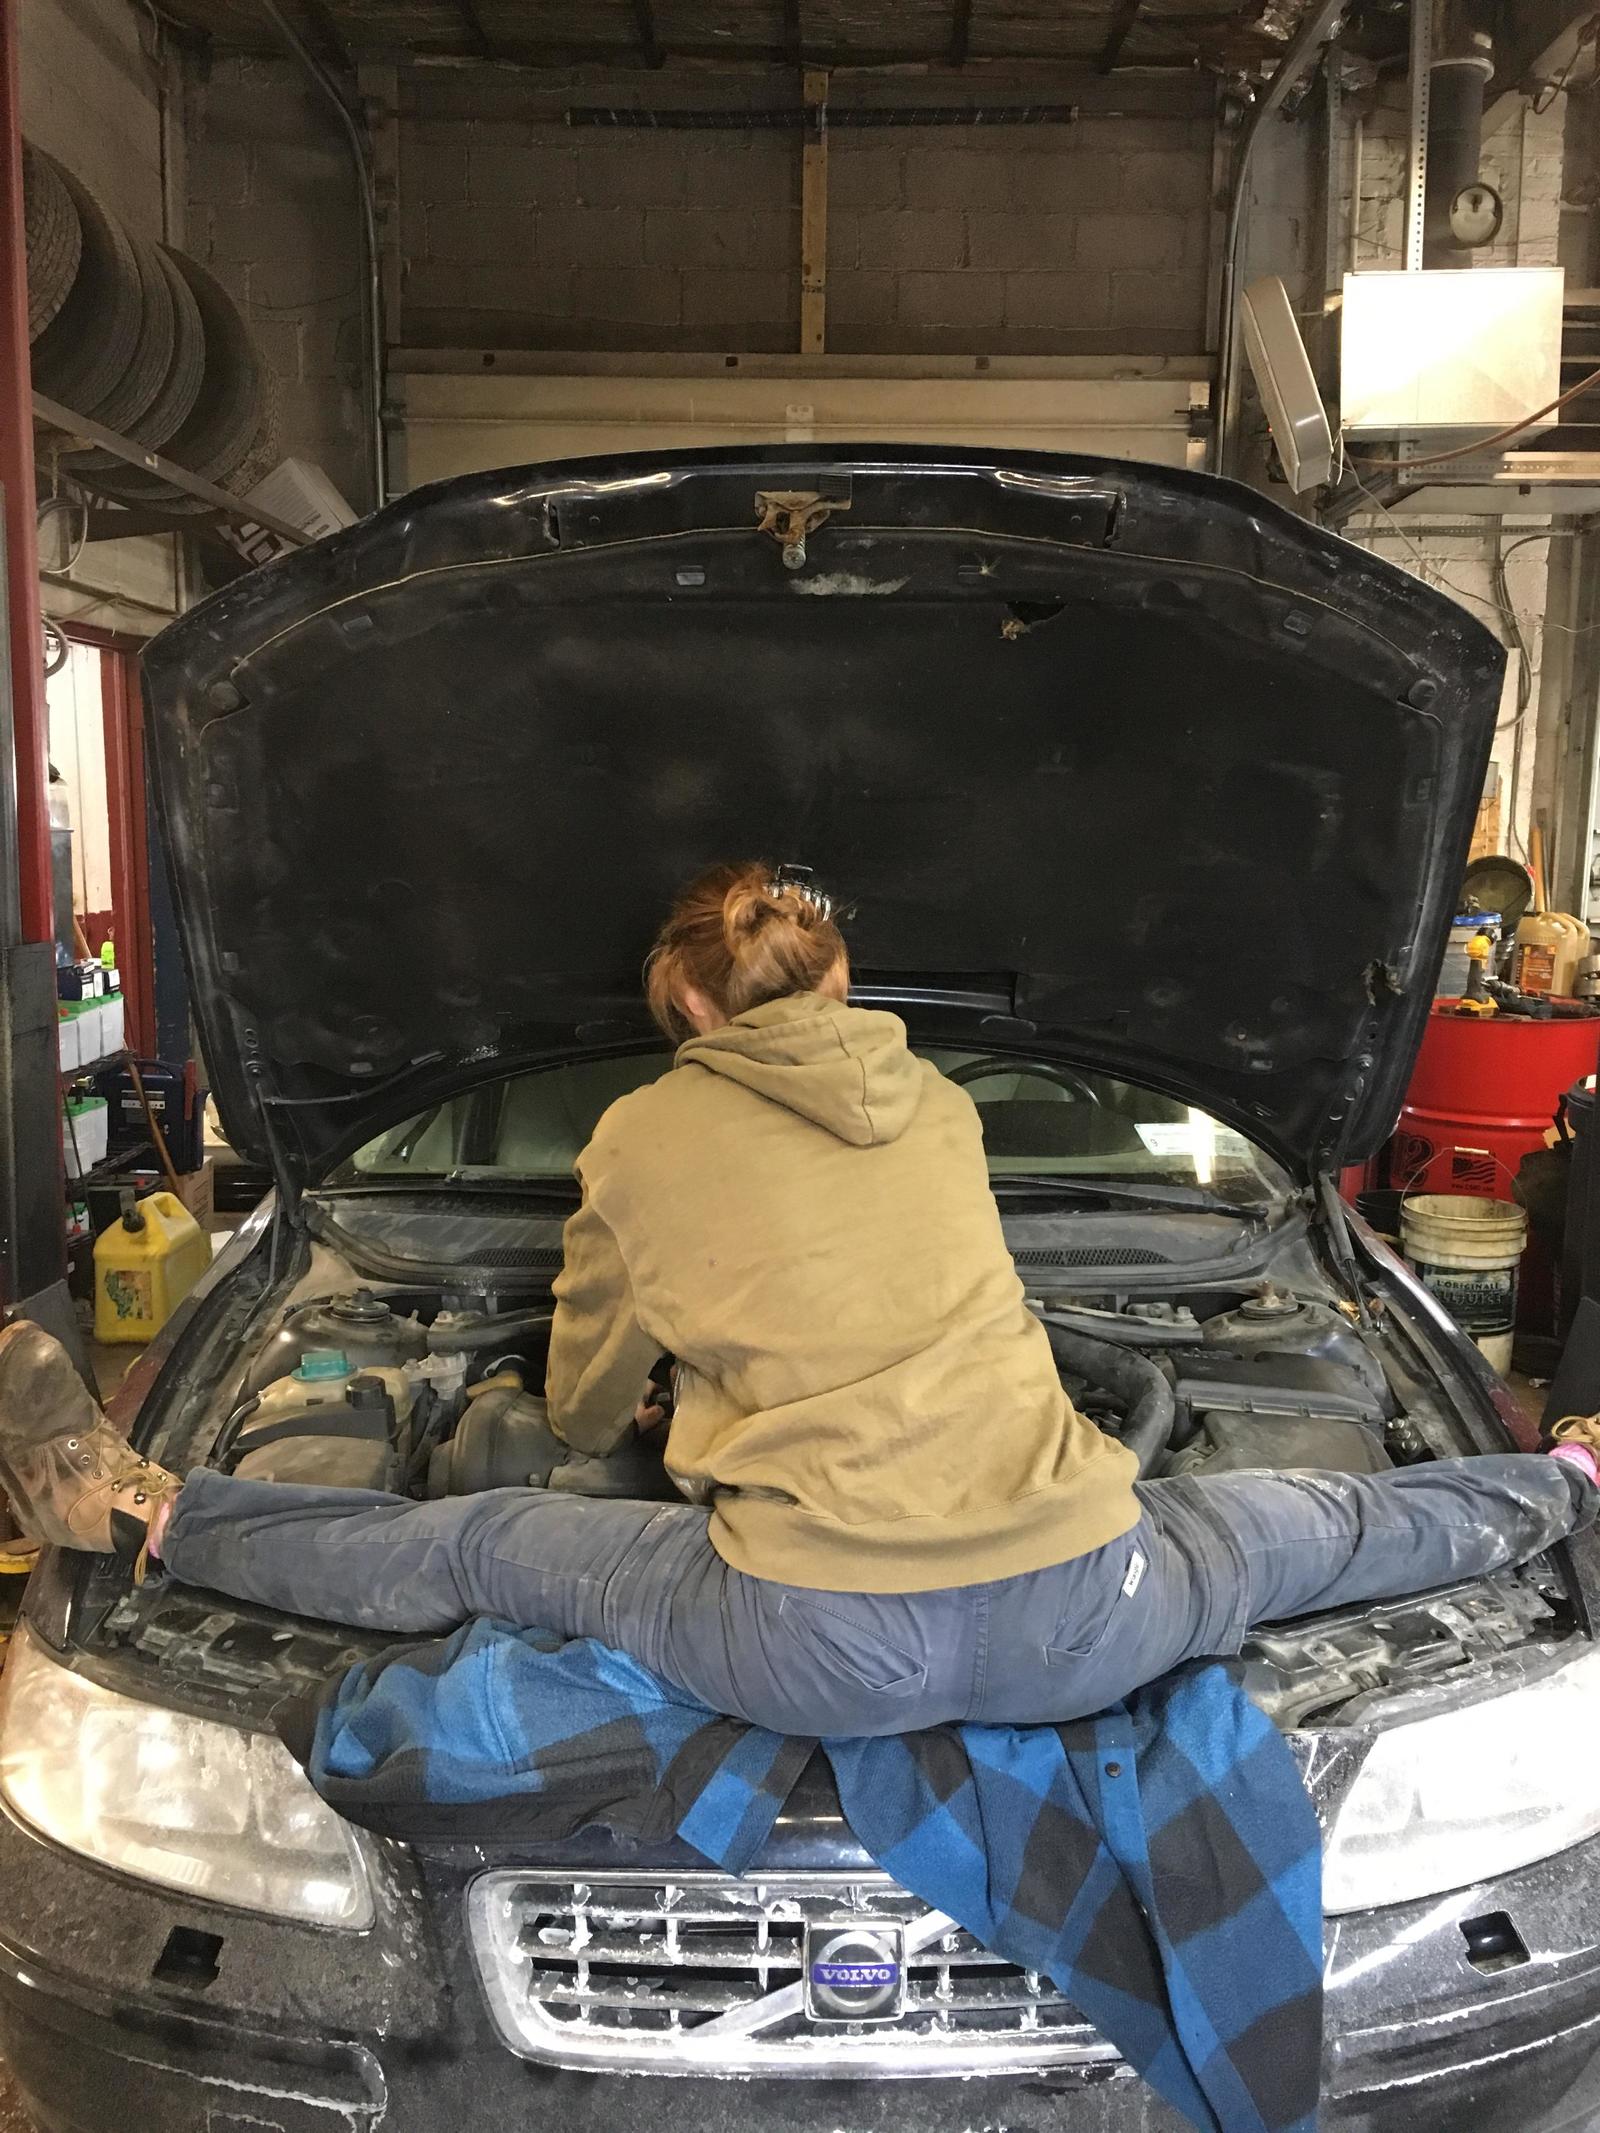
(651, 1411)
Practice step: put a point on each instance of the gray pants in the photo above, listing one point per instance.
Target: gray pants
(1206, 1560)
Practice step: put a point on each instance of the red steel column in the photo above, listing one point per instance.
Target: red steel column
(130, 846)
(25, 651)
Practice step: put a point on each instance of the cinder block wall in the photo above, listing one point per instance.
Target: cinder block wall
(251, 178)
(91, 97)
(522, 232)
(1064, 239)
(272, 212)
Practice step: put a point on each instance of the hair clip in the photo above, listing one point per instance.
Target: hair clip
(796, 881)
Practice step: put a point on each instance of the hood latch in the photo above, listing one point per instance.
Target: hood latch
(791, 516)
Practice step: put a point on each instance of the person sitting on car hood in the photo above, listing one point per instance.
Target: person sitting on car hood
(896, 1519)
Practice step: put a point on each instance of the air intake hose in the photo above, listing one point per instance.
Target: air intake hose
(1151, 1408)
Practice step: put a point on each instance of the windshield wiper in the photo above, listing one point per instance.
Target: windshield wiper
(1198, 1198)
(396, 1184)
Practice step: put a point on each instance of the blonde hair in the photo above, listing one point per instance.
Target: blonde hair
(741, 934)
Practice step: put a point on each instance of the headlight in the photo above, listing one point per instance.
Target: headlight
(197, 1806)
(1471, 1794)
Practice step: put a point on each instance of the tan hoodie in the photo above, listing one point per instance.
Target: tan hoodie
(800, 1213)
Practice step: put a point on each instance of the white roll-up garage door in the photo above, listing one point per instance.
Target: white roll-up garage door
(456, 423)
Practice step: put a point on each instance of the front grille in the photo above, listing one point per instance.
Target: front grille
(702, 1975)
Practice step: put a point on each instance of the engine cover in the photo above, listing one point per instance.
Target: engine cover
(1233, 1444)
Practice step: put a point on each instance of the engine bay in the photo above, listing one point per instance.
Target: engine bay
(436, 1391)
(430, 1393)
(419, 1394)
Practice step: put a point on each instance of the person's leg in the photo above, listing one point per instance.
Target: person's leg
(1211, 1558)
(1314, 1541)
(642, 1578)
(534, 1557)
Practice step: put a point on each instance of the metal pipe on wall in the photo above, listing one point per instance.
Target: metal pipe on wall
(1314, 31)
(376, 343)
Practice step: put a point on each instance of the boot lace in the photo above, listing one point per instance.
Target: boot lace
(146, 1488)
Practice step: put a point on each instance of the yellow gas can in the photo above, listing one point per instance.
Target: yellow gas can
(145, 1264)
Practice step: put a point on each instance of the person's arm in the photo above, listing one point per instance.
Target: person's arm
(600, 1356)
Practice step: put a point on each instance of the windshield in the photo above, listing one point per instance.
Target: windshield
(1040, 1120)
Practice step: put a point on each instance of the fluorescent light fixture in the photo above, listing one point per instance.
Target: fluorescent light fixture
(1452, 349)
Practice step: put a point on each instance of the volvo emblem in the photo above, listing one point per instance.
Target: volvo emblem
(855, 1972)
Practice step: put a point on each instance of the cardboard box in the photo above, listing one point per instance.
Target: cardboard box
(197, 1191)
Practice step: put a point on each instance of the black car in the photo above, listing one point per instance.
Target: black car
(1151, 801)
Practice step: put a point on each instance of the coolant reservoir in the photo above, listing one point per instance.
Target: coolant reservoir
(323, 1377)
(327, 1423)
(145, 1264)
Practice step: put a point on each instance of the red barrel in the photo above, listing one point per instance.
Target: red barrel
(1484, 1095)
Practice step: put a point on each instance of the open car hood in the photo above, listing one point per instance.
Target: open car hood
(1115, 762)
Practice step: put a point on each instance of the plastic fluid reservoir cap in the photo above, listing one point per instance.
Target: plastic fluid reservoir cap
(323, 1363)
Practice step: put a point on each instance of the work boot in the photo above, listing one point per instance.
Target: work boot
(73, 1481)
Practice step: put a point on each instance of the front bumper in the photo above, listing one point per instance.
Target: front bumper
(301, 2029)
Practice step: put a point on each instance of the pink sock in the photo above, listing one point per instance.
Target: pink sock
(158, 1527)
(1579, 1455)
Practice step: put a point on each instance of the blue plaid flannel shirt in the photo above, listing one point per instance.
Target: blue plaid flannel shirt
(1161, 1863)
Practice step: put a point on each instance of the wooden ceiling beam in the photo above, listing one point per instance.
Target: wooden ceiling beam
(644, 26)
(326, 33)
(1117, 36)
(1546, 48)
(472, 23)
(960, 32)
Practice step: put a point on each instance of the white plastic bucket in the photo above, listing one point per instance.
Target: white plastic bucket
(1467, 1253)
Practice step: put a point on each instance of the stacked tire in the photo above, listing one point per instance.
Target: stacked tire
(141, 338)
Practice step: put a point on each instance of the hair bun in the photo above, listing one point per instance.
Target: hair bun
(753, 904)
(743, 934)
